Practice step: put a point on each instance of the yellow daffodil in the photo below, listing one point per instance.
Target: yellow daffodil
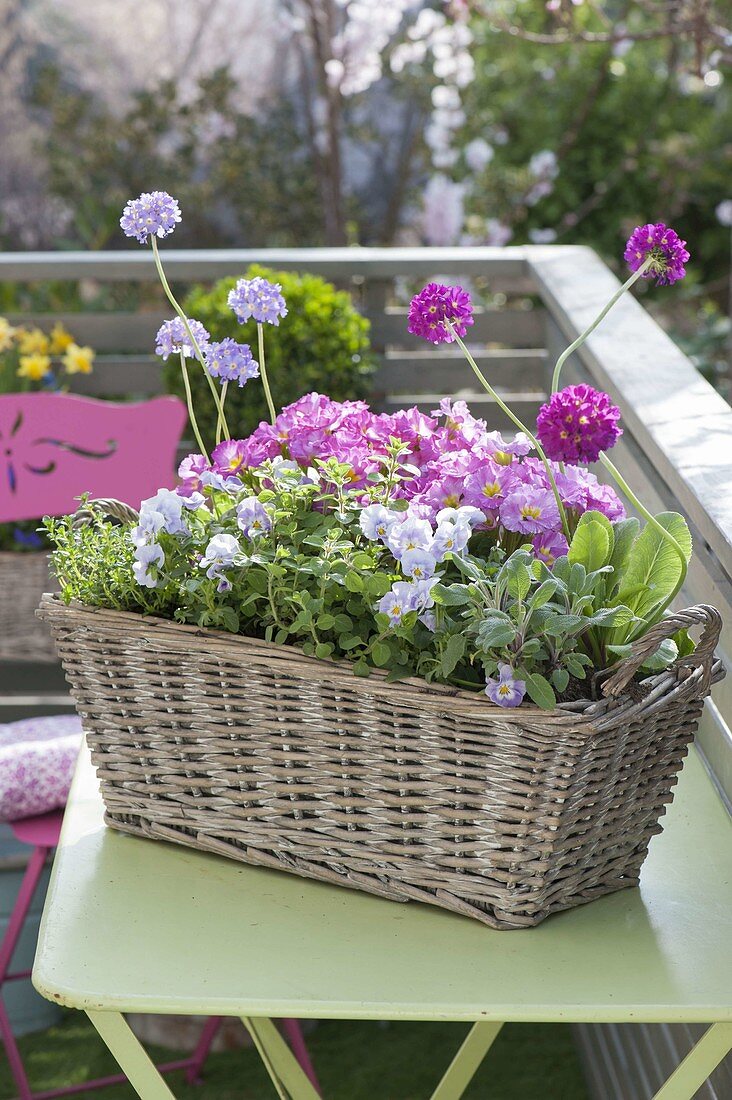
(32, 341)
(7, 332)
(60, 339)
(34, 366)
(78, 360)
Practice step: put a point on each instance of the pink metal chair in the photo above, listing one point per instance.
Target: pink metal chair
(55, 447)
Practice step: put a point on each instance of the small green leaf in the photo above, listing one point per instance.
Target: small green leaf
(544, 593)
(324, 649)
(560, 679)
(361, 668)
(380, 654)
(455, 596)
(354, 582)
(325, 621)
(539, 690)
(349, 641)
(452, 653)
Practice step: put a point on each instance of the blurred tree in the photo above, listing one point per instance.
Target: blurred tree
(237, 177)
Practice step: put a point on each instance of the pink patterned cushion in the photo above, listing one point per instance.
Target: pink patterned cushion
(37, 758)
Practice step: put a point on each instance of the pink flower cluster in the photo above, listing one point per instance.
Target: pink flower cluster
(458, 462)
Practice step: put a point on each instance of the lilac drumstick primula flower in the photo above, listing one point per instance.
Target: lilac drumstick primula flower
(154, 214)
(173, 339)
(231, 362)
(253, 518)
(259, 299)
(505, 691)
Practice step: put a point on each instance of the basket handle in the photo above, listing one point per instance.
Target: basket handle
(109, 507)
(703, 656)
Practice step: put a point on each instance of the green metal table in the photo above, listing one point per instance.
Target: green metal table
(136, 925)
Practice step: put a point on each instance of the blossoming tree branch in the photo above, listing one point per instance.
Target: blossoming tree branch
(420, 545)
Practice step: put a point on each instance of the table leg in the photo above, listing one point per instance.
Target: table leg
(133, 1061)
(699, 1063)
(288, 1076)
(467, 1061)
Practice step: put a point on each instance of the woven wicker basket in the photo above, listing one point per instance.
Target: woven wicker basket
(407, 790)
(24, 577)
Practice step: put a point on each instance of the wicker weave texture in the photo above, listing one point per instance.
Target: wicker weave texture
(24, 577)
(410, 791)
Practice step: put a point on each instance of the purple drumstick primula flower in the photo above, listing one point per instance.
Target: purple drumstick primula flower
(154, 214)
(231, 362)
(259, 299)
(173, 339)
(434, 306)
(253, 518)
(667, 251)
(505, 691)
(577, 424)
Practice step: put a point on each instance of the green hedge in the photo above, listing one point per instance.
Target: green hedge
(322, 344)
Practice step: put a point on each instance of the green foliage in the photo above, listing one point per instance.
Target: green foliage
(322, 344)
(237, 177)
(636, 136)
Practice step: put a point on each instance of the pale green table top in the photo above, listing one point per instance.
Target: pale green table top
(145, 926)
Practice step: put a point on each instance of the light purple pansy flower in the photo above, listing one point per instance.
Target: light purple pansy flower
(504, 690)
(253, 518)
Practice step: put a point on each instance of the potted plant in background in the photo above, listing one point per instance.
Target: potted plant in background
(400, 653)
(31, 361)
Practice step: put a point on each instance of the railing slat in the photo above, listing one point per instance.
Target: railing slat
(408, 372)
(119, 331)
(502, 264)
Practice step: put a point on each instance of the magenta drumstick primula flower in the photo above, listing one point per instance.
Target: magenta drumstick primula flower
(434, 306)
(577, 424)
(154, 214)
(667, 251)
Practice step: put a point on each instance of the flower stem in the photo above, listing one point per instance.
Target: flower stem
(219, 426)
(194, 343)
(522, 427)
(191, 413)
(622, 483)
(263, 372)
(603, 313)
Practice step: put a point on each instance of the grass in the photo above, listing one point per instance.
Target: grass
(355, 1061)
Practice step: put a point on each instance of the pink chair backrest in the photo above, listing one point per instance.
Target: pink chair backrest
(54, 447)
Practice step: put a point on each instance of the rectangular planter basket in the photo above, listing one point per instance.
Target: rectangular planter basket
(407, 790)
(24, 577)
